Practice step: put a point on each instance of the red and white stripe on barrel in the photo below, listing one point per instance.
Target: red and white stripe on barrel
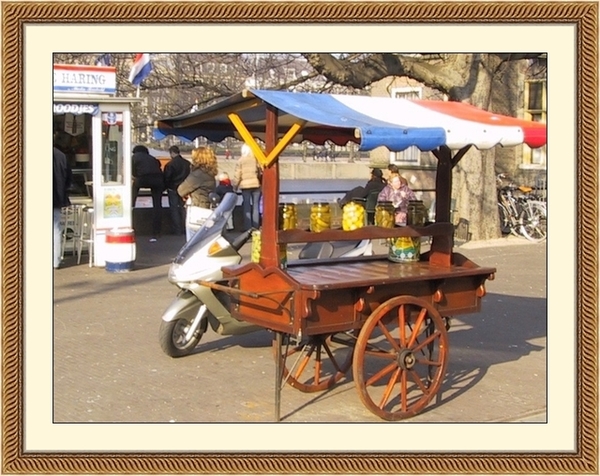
(120, 250)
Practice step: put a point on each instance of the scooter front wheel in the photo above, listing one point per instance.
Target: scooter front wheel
(174, 337)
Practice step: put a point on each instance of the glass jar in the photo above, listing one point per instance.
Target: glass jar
(320, 217)
(257, 247)
(417, 214)
(404, 249)
(384, 214)
(353, 215)
(288, 217)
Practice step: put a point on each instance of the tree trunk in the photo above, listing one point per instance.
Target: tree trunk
(474, 180)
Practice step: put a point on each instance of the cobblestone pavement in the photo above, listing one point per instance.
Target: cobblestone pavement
(109, 367)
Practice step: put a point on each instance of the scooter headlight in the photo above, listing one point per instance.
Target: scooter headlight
(217, 247)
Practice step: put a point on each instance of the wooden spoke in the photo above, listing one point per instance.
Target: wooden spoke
(415, 332)
(382, 373)
(398, 371)
(388, 336)
(315, 370)
(388, 389)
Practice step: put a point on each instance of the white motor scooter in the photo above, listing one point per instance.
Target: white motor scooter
(201, 259)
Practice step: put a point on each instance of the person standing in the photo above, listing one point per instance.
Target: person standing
(176, 170)
(399, 193)
(375, 184)
(61, 181)
(246, 179)
(199, 183)
(147, 173)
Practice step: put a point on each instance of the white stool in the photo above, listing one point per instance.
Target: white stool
(86, 234)
(70, 222)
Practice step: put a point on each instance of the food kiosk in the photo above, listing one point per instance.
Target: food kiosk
(93, 128)
(392, 312)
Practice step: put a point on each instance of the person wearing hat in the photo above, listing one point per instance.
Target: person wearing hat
(375, 185)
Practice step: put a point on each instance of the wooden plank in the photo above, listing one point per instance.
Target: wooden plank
(367, 232)
(376, 273)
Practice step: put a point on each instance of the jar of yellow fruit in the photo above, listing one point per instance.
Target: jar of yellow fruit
(353, 215)
(320, 217)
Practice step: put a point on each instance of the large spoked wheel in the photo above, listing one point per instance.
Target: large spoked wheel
(400, 357)
(177, 339)
(318, 362)
(533, 222)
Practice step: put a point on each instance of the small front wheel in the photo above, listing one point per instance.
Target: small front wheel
(400, 357)
(176, 338)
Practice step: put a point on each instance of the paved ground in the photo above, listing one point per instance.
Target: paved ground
(108, 365)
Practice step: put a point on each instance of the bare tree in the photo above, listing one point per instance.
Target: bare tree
(184, 80)
(474, 78)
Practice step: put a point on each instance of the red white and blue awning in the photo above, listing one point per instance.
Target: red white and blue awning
(369, 121)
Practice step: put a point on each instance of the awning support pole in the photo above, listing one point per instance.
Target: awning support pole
(269, 256)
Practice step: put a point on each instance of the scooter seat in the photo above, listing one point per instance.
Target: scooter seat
(316, 251)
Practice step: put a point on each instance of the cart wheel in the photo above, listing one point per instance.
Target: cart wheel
(318, 362)
(400, 357)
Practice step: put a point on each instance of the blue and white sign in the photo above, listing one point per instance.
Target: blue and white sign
(85, 79)
(76, 109)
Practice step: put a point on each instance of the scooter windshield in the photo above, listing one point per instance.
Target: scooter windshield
(212, 227)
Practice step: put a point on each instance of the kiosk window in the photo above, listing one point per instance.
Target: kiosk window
(112, 148)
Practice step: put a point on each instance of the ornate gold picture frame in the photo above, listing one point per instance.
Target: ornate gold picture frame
(583, 16)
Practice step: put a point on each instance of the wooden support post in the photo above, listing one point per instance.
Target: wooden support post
(443, 184)
(278, 374)
(441, 246)
(270, 190)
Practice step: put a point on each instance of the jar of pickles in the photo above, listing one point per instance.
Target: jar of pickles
(384, 214)
(288, 218)
(353, 215)
(320, 217)
(257, 247)
(417, 213)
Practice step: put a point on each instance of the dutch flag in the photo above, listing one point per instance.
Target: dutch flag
(103, 60)
(141, 68)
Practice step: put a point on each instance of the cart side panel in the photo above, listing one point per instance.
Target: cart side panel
(265, 297)
(461, 295)
(451, 296)
(334, 311)
(377, 295)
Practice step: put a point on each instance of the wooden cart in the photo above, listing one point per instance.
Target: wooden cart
(388, 321)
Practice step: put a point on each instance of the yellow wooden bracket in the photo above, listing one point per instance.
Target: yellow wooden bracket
(262, 159)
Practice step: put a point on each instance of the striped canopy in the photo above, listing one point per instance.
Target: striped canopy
(369, 121)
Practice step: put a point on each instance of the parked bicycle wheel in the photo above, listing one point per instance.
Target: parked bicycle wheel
(505, 225)
(533, 221)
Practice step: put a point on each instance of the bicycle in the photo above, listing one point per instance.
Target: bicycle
(520, 213)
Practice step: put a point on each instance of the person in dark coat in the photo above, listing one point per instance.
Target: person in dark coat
(147, 173)
(375, 184)
(61, 181)
(199, 183)
(176, 170)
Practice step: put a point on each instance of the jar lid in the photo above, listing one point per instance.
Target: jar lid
(384, 202)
